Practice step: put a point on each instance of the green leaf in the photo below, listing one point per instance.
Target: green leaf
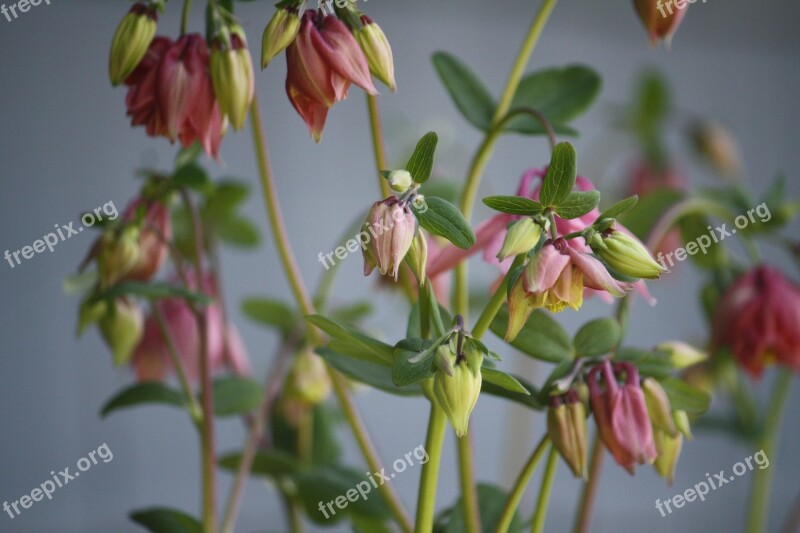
(530, 398)
(686, 397)
(192, 176)
(597, 337)
(147, 392)
(491, 502)
(619, 208)
(560, 94)
(188, 155)
(442, 218)
(541, 337)
(225, 199)
(415, 365)
(164, 520)
(235, 395)
(562, 370)
(372, 374)
(514, 205)
(577, 204)
(154, 290)
(466, 89)
(503, 380)
(325, 483)
(642, 218)
(267, 463)
(692, 228)
(80, 283)
(352, 312)
(238, 232)
(561, 173)
(420, 165)
(650, 364)
(270, 312)
(350, 342)
(326, 448)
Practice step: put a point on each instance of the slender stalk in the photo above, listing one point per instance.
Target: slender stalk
(519, 486)
(294, 514)
(495, 303)
(469, 493)
(307, 308)
(187, 5)
(540, 514)
(762, 483)
(194, 409)
(589, 491)
(378, 146)
(426, 503)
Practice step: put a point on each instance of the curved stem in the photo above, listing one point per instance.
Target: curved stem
(469, 492)
(426, 502)
(519, 486)
(307, 308)
(540, 514)
(495, 303)
(759, 497)
(378, 146)
(590, 488)
(187, 5)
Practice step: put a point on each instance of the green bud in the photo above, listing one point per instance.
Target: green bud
(118, 251)
(400, 180)
(682, 423)
(232, 75)
(658, 407)
(627, 255)
(122, 327)
(376, 48)
(669, 449)
(131, 42)
(458, 394)
(417, 257)
(566, 426)
(279, 34)
(521, 237)
(89, 313)
(682, 355)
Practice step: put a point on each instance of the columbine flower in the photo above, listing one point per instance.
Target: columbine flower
(392, 227)
(171, 93)
(322, 61)
(131, 41)
(660, 18)
(378, 51)
(758, 318)
(626, 255)
(152, 360)
(621, 414)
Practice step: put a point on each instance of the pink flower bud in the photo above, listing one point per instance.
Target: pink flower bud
(660, 17)
(392, 227)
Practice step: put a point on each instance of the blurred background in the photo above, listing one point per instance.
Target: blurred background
(66, 147)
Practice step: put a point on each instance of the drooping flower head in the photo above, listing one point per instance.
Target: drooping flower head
(389, 230)
(660, 18)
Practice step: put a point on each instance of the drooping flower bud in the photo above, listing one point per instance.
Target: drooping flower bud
(417, 257)
(658, 407)
(519, 309)
(131, 41)
(279, 34)
(117, 253)
(400, 180)
(392, 226)
(232, 75)
(621, 414)
(682, 423)
(627, 255)
(458, 394)
(566, 426)
(681, 354)
(378, 51)
(715, 144)
(122, 327)
(521, 237)
(660, 19)
(307, 384)
(669, 449)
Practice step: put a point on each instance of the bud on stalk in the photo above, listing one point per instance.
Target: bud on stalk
(658, 407)
(521, 237)
(626, 255)
(400, 180)
(417, 257)
(392, 226)
(131, 42)
(566, 426)
(118, 252)
(122, 327)
(232, 75)
(458, 394)
(279, 34)
(376, 48)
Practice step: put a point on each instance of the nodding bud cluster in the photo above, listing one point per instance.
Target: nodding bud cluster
(566, 426)
(131, 41)
(457, 382)
(232, 74)
(621, 414)
(625, 254)
(522, 236)
(279, 33)
(393, 226)
(307, 385)
(377, 50)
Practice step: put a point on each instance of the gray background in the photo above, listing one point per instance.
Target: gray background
(66, 147)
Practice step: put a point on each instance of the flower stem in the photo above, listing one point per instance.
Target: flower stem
(377, 142)
(590, 488)
(469, 492)
(187, 5)
(307, 308)
(519, 486)
(426, 502)
(540, 514)
(759, 497)
(495, 303)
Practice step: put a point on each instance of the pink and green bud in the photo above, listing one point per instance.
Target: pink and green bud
(458, 394)
(377, 50)
(279, 34)
(566, 426)
(626, 255)
(521, 237)
(232, 74)
(122, 327)
(658, 407)
(131, 42)
(392, 226)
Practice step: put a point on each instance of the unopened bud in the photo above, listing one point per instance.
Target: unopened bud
(521, 237)
(658, 406)
(393, 226)
(118, 252)
(682, 423)
(660, 18)
(232, 74)
(458, 394)
(628, 256)
(400, 180)
(376, 48)
(279, 34)
(122, 327)
(682, 355)
(131, 42)
(715, 144)
(669, 449)
(566, 427)
(417, 257)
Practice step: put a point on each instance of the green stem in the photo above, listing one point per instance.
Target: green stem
(187, 5)
(496, 302)
(759, 497)
(426, 502)
(590, 487)
(294, 514)
(378, 146)
(307, 308)
(540, 514)
(519, 486)
(469, 489)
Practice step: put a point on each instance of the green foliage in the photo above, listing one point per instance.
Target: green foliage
(442, 218)
(514, 205)
(164, 520)
(235, 395)
(559, 180)
(491, 503)
(597, 337)
(541, 338)
(420, 165)
(148, 392)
